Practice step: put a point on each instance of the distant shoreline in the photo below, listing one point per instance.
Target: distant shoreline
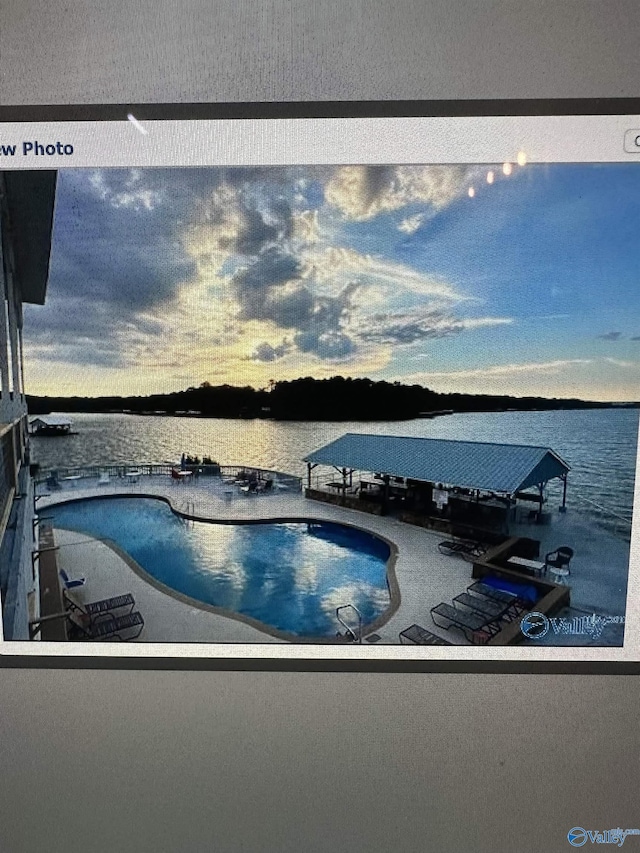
(336, 400)
(351, 419)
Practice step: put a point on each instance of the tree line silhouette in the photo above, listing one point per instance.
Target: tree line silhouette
(306, 399)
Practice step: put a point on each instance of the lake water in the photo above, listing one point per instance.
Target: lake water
(599, 445)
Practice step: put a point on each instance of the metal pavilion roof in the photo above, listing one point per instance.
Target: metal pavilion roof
(505, 468)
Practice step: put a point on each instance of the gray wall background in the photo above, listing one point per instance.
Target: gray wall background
(186, 761)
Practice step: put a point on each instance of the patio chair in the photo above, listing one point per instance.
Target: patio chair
(559, 559)
(107, 626)
(52, 481)
(71, 583)
(104, 605)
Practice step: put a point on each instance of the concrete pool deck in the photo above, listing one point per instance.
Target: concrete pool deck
(424, 577)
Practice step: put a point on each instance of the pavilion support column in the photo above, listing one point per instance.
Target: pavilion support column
(310, 468)
(541, 490)
(563, 508)
(385, 494)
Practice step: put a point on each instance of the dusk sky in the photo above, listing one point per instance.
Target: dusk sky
(456, 278)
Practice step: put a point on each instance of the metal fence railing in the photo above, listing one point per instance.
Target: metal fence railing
(152, 469)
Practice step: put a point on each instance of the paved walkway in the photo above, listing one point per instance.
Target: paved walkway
(423, 576)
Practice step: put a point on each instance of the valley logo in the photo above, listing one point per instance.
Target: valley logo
(535, 625)
(578, 836)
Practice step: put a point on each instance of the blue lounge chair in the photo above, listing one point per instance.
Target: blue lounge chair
(71, 583)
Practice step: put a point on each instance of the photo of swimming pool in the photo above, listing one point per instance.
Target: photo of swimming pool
(288, 576)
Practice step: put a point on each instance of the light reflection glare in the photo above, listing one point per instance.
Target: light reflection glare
(507, 168)
(490, 177)
(522, 158)
(472, 192)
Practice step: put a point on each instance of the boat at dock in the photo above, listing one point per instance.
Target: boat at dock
(51, 426)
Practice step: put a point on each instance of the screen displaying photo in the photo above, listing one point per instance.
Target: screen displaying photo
(292, 401)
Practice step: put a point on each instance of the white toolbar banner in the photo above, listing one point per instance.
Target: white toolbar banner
(254, 142)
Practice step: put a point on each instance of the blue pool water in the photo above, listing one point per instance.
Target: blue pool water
(288, 576)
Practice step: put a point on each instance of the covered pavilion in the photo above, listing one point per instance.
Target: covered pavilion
(466, 481)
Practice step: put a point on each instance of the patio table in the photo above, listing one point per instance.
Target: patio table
(532, 566)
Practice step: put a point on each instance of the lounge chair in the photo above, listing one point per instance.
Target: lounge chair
(71, 583)
(476, 628)
(419, 636)
(487, 607)
(104, 605)
(484, 589)
(103, 479)
(107, 626)
(516, 606)
(463, 548)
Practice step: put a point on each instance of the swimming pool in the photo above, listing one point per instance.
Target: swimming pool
(288, 576)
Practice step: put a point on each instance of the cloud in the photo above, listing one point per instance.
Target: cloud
(541, 367)
(618, 362)
(331, 267)
(265, 352)
(417, 325)
(585, 378)
(327, 344)
(610, 336)
(222, 269)
(362, 192)
(116, 262)
(411, 224)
